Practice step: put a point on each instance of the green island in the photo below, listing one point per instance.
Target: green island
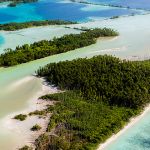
(101, 95)
(17, 26)
(44, 48)
(101, 4)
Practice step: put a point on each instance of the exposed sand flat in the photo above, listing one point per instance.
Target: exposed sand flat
(134, 37)
(20, 130)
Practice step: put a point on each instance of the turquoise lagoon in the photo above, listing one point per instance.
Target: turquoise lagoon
(50, 9)
(135, 138)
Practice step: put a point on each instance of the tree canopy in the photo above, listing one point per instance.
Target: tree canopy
(101, 95)
(44, 48)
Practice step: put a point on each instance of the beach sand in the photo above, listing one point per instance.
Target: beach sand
(132, 122)
(21, 129)
(132, 42)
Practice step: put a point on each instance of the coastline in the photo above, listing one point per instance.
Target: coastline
(130, 124)
(21, 129)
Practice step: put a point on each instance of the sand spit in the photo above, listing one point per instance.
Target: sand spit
(22, 128)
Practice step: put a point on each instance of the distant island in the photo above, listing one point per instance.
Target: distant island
(22, 25)
(14, 3)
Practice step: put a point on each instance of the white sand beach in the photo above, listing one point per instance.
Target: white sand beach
(132, 122)
(20, 130)
(133, 41)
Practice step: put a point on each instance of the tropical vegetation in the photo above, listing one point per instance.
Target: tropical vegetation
(44, 48)
(102, 94)
(16, 26)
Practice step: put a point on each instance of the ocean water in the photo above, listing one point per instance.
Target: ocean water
(50, 9)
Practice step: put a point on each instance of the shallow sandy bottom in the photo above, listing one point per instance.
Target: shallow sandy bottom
(134, 39)
(31, 35)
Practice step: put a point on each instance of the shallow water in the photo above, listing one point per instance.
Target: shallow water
(133, 41)
(2, 41)
(13, 97)
(31, 35)
(135, 138)
(143, 4)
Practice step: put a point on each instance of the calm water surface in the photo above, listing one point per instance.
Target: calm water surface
(56, 9)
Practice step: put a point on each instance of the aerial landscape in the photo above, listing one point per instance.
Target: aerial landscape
(75, 75)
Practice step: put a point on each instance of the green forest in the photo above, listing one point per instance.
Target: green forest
(100, 95)
(44, 48)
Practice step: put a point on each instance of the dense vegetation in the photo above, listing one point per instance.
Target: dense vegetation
(21, 117)
(81, 124)
(45, 48)
(104, 93)
(16, 26)
(103, 77)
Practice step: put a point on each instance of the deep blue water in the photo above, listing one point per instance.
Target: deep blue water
(50, 9)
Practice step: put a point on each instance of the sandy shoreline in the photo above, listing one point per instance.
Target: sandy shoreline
(31, 35)
(22, 128)
(131, 123)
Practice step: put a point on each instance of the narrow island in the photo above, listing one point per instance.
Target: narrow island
(44, 48)
(22, 25)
